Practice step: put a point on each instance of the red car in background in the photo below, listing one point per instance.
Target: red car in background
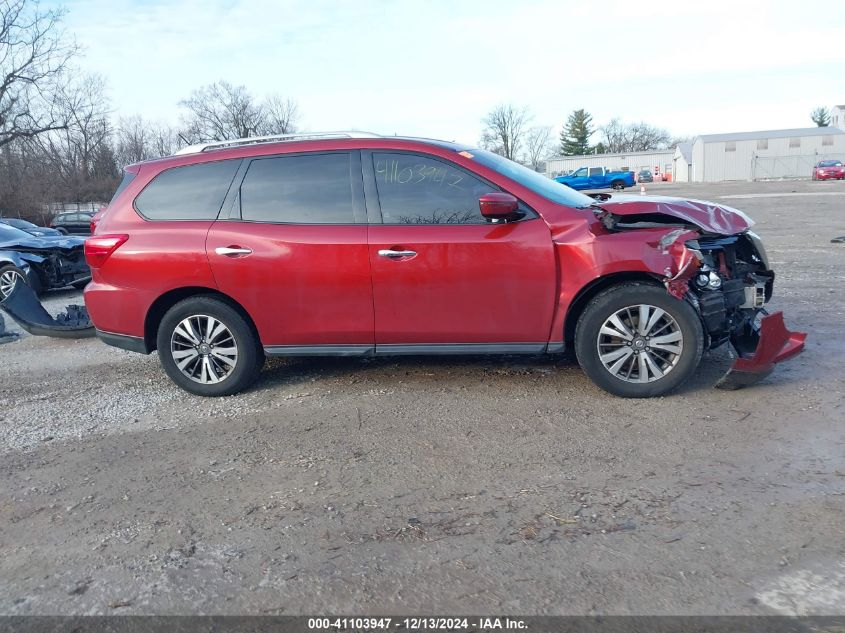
(829, 170)
(352, 244)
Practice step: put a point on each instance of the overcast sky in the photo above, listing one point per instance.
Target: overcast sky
(434, 68)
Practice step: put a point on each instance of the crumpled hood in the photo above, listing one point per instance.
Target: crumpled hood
(44, 243)
(711, 217)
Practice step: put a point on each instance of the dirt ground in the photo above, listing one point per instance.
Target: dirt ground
(448, 485)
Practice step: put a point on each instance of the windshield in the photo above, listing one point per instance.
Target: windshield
(830, 163)
(18, 224)
(11, 233)
(538, 183)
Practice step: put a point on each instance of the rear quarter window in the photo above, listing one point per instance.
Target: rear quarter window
(192, 192)
(128, 177)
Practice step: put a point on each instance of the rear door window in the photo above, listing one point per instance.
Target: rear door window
(414, 189)
(301, 189)
(193, 192)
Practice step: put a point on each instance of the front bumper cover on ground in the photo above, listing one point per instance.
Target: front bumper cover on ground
(23, 306)
(774, 344)
(6, 336)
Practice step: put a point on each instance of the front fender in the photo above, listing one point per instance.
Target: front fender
(588, 254)
(32, 257)
(21, 260)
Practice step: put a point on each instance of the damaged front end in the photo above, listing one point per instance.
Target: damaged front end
(726, 277)
(730, 289)
(55, 267)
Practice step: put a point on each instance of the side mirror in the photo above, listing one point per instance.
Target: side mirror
(499, 206)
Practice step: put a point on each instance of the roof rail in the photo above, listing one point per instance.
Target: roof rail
(275, 138)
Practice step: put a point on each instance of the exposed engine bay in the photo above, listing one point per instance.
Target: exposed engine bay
(54, 267)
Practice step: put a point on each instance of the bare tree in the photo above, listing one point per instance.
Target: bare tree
(538, 146)
(34, 55)
(633, 137)
(26, 182)
(677, 140)
(221, 111)
(164, 140)
(137, 139)
(131, 140)
(280, 115)
(504, 129)
(80, 155)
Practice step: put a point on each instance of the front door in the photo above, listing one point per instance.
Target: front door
(293, 253)
(580, 179)
(444, 278)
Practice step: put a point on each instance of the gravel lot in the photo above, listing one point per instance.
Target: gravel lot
(423, 485)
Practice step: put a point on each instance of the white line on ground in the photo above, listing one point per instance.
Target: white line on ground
(819, 591)
(744, 196)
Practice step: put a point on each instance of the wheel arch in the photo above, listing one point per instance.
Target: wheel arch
(170, 298)
(588, 292)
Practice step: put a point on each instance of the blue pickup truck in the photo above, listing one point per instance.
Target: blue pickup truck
(597, 178)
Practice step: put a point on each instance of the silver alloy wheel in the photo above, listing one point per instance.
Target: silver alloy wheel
(8, 280)
(204, 349)
(640, 343)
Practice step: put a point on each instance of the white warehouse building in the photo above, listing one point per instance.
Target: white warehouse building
(764, 155)
(657, 162)
(769, 154)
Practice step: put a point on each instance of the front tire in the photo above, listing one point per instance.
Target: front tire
(208, 348)
(10, 277)
(635, 340)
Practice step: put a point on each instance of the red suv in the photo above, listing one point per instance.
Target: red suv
(351, 244)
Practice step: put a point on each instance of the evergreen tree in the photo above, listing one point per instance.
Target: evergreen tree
(821, 117)
(575, 136)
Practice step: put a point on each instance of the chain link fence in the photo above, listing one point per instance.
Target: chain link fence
(798, 166)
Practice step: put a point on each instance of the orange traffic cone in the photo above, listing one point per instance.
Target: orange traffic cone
(642, 190)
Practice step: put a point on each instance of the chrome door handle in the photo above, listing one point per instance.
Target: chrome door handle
(395, 254)
(229, 250)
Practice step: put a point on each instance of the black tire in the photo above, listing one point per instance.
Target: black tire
(608, 303)
(62, 230)
(10, 271)
(249, 355)
(617, 185)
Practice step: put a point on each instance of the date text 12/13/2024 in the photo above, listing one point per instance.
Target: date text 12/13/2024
(416, 624)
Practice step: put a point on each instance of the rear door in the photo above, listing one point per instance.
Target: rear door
(444, 278)
(293, 251)
(597, 178)
(73, 223)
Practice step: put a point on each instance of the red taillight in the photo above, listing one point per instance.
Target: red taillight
(95, 219)
(98, 248)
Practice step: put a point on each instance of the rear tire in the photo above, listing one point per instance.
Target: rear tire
(645, 360)
(617, 185)
(208, 348)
